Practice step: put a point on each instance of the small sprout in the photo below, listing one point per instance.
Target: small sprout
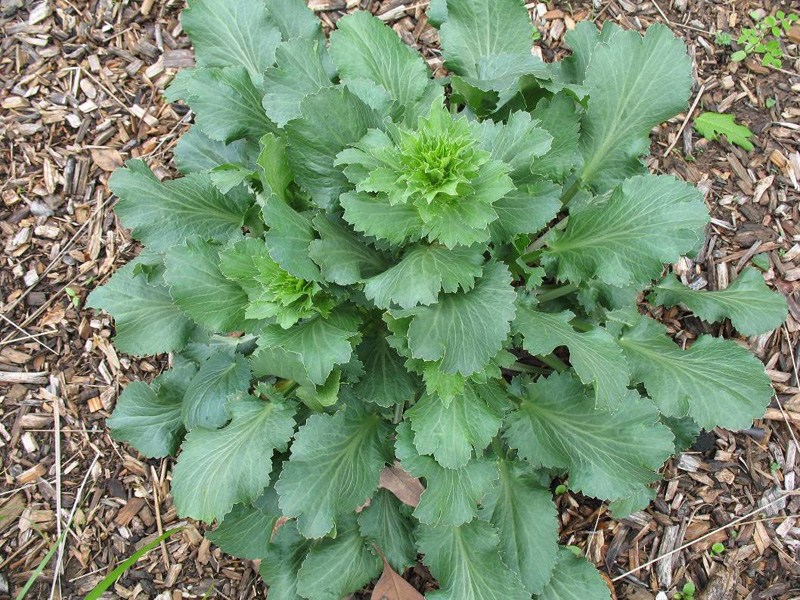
(73, 296)
(718, 548)
(756, 40)
(770, 102)
(723, 38)
(687, 593)
(561, 489)
(774, 467)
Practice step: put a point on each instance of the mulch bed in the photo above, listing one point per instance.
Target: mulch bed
(81, 92)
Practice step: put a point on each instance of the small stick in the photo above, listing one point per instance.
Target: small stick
(159, 526)
(57, 450)
(686, 120)
(38, 377)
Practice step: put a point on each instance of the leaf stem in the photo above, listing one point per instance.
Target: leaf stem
(398, 413)
(557, 292)
(523, 368)
(571, 191)
(552, 361)
(497, 446)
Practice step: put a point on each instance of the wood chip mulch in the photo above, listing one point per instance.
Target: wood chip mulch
(81, 92)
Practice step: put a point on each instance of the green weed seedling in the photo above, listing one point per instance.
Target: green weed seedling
(764, 39)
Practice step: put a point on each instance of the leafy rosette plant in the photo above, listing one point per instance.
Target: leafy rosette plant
(364, 270)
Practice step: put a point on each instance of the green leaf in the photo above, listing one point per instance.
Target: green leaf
(583, 41)
(227, 105)
(140, 309)
(608, 455)
(228, 176)
(320, 343)
(386, 381)
(289, 237)
(363, 47)
(526, 210)
(467, 563)
(559, 117)
(342, 256)
(715, 382)
(516, 143)
(221, 378)
(465, 329)
(375, 216)
(712, 125)
(283, 561)
(149, 417)
(475, 29)
(624, 507)
(333, 119)
(751, 306)
(594, 354)
(231, 33)
(334, 468)
(647, 221)
(422, 273)
(197, 152)
(451, 495)
(527, 523)
(202, 291)
(338, 566)
(575, 577)
(451, 430)
(299, 72)
(275, 174)
(295, 19)
(384, 523)
(218, 468)
(634, 84)
(165, 214)
(245, 532)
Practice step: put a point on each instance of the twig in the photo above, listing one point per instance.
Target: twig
(57, 451)
(27, 335)
(159, 525)
(661, 12)
(780, 406)
(38, 377)
(703, 537)
(686, 120)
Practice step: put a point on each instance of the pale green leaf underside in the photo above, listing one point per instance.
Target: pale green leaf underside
(467, 563)
(608, 455)
(218, 468)
(648, 220)
(526, 520)
(750, 305)
(334, 468)
(164, 214)
(716, 382)
(594, 355)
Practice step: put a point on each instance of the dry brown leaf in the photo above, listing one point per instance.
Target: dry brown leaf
(107, 159)
(392, 586)
(402, 484)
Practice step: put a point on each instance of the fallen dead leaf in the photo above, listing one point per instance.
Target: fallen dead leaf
(107, 159)
(402, 484)
(392, 586)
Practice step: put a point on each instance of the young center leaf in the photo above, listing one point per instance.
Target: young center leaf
(749, 304)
